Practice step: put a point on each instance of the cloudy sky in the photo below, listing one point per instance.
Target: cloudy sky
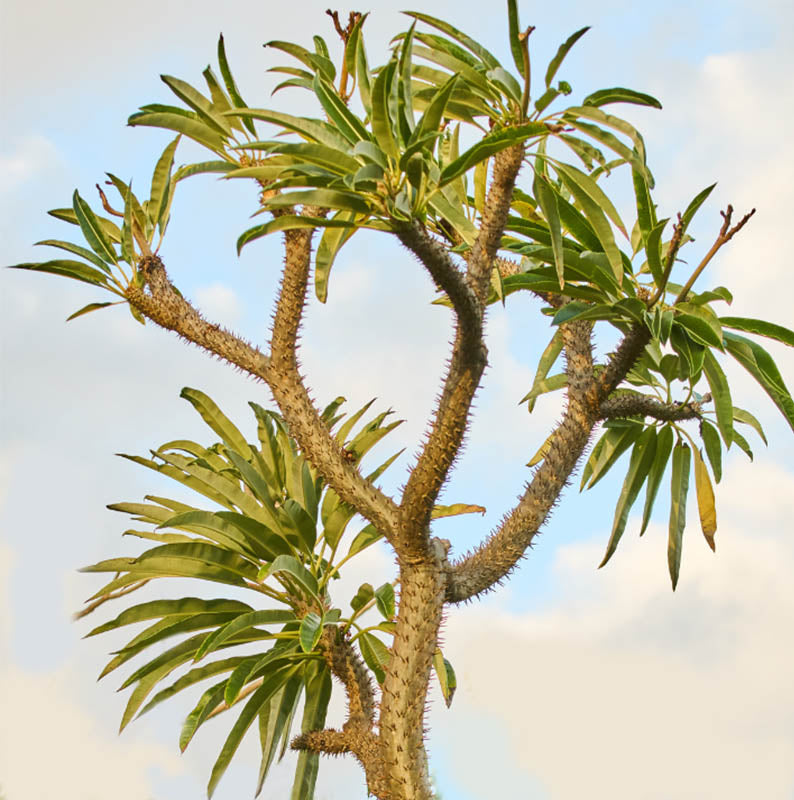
(572, 681)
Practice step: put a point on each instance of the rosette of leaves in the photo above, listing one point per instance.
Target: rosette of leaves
(566, 233)
(396, 160)
(274, 529)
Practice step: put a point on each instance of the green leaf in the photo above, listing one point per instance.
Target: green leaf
(554, 64)
(326, 198)
(67, 215)
(347, 123)
(273, 723)
(691, 352)
(760, 327)
(692, 208)
(701, 322)
(68, 269)
(318, 694)
(243, 722)
(187, 560)
(93, 231)
(384, 600)
(454, 510)
(740, 415)
(310, 631)
(201, 168)
(191, 678)
(620, 95)
(721, 395)
(375, 654)
(547, 360)
(258, 665)
(83, 252)
(430, 121)
(571, 175)
(642, 459)
(190, 126)
(516, 49)
(127, 233)
(381, 119)
(607, 451)
(317, 63)
(762, 367)
(286, 223)
(231, 86)
(646, 213)
(653, 250)
(580, 311)
(292, 567)
(547, 199)
(679, 486)
(475, 47)
(366, 536)
(595, 114)
(200, 104)
(216, 419)
(183, 607)
(705, 496)
(446, 676)
(596, 216)
(364, 594)
(242, 623)
(490, 145)
(206, 704)
(664, 446)
(161, 182)
(89, 308)
(331, 242)
(552, 384)
(743, 444)
(711, 441)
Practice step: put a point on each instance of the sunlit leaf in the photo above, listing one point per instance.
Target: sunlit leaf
(642, 459)
(679, 486)
(705, 496)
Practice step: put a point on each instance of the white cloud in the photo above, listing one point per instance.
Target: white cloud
(621, 688)
(219, 303)
(29, 157)
(52, 746)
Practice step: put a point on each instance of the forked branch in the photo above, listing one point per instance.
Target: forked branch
(487, 566)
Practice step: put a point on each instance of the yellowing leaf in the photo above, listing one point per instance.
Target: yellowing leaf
(705, 495)
(455, 509)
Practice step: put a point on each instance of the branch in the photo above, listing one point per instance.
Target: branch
(487, 566)
(672, 252)
(506, 165)
(467, 363)
(336, 742)
(622, 360)
(329, 741)
(640, 405)
(110, 596)
(296, 406)
(725, 235)
(348, 668)
(435, 258)
(160, 302)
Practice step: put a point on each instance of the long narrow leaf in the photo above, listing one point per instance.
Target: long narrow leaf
(679, 486)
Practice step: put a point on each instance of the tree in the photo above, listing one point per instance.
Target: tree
(403, 164)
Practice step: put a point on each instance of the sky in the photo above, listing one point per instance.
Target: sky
(573, 681)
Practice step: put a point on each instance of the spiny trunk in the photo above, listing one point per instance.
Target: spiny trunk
(405, 688)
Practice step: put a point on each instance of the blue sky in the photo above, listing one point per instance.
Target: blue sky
(570, 678)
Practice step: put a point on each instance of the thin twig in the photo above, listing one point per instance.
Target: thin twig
(112, 596)
(725, 235)
(672, 251)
